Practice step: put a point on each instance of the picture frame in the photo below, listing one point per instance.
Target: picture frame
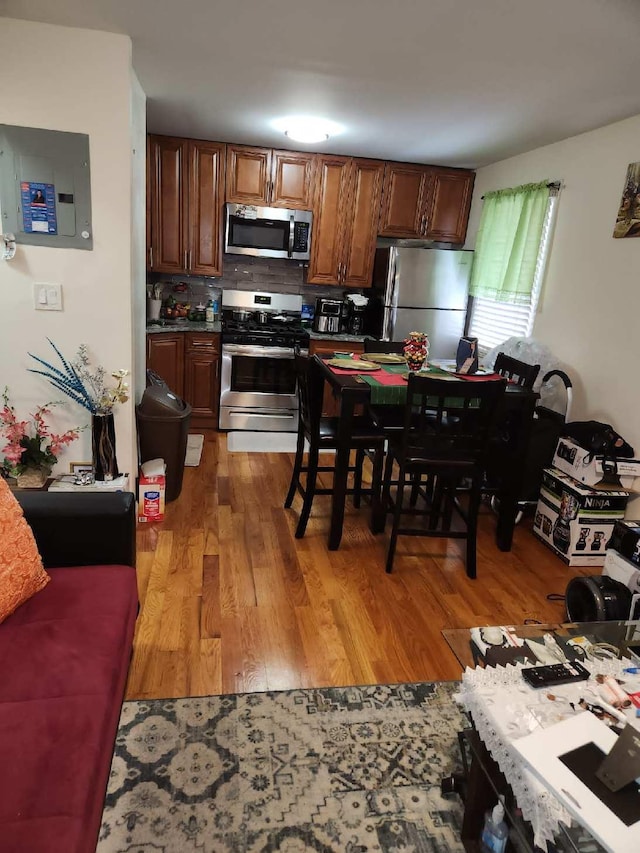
(628, 217)
(79, 467)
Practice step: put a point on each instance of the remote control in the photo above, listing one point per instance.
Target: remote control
(557, 673)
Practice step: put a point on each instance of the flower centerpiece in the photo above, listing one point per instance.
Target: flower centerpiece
(416, 350)
(88, 387)
(32, 449)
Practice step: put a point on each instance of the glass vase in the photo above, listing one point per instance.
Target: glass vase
(416, 350)
(103, 447)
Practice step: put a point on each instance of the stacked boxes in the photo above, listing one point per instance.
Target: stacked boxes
(575, 520)
(622, 562)
(587, 468)
(625, 539)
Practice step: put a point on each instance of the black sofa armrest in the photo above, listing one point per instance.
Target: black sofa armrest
(73, 529)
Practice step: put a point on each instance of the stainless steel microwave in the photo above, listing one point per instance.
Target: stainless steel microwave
(267, 232)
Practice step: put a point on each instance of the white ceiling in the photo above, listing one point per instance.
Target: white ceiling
(452, 82)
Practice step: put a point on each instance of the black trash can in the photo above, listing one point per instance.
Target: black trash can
(163, 427)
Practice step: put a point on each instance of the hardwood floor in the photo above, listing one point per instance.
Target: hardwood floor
(231, 602)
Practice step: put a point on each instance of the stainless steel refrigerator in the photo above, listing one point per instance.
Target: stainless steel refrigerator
(421, 290)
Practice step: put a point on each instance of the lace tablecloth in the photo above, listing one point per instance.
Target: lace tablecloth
(504, 708)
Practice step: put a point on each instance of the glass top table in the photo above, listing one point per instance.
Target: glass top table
(491, 645)
(494, 645)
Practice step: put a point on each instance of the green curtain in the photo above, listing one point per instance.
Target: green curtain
(508, 243)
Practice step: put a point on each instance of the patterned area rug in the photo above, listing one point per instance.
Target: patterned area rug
(353, 769)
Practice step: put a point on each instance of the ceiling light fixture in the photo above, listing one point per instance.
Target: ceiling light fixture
(307, 128)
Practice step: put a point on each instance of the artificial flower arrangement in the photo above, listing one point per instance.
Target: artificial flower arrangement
(87, 388)
(30, 443)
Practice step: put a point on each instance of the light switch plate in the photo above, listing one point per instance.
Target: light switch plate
(47, 296)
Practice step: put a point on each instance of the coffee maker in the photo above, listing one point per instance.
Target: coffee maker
(356, 312)
(328, 316)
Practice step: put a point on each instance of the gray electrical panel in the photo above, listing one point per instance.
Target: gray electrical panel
(45, 187)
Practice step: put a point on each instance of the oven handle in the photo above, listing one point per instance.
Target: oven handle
(271, 415)
(258, 351)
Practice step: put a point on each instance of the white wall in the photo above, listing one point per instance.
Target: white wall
(83, 84)
(589, 313)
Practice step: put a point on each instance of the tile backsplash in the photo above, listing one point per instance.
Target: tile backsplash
(247, 273)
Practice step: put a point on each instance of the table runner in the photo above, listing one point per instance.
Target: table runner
(389, 383)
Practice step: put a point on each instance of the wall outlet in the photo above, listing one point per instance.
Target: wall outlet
(47, 297)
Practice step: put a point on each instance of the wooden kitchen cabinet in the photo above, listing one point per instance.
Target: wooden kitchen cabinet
(165, 356)
(330, 405)
(450, 203)
(202, 377)
(185, 189)
(425, 202)
(189, 362)
(271, 178)
(404, 198)
(345, 219)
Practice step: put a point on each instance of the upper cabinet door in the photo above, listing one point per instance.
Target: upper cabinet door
(248, 175)
(167, 180)
(293, 180)
(451, 199)
(363, 210)
(327, 235)
(404, 194)
(206, 192)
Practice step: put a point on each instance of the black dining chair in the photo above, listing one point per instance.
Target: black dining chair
(518, 372)
(321, 433)
(524, 375)
(396, 347)
(445, 435)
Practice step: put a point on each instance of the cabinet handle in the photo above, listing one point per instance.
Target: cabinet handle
(150, 257)
(185, 262)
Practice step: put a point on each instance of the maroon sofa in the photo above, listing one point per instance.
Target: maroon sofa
(64, 657)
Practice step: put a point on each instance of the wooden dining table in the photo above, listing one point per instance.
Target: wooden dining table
(505, 465)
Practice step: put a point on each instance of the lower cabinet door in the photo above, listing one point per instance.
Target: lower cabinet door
(165, 356)
(202, 379)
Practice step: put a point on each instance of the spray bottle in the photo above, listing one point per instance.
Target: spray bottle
(495, 832)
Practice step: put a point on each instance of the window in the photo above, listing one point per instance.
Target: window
(493, 321)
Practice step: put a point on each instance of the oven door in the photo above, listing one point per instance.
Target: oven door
(258, 388)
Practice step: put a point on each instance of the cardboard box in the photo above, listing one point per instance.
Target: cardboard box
(575, 461)
(625, 539)
(622, 570)
(576, 521)
(151, 497)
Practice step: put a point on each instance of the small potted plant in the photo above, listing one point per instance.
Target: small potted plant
(31, 449)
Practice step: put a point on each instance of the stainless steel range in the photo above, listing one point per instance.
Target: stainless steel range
(260, 332)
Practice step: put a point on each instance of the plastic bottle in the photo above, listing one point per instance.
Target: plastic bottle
(216, 308)
(209, 313)
(495, 831)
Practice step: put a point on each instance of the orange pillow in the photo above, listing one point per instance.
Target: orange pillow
(21, 571)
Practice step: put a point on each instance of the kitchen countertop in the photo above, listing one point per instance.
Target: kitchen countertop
(216, 328)
(321, 336)
(184, 326)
